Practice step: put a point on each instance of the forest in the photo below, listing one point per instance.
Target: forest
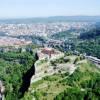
(13, 66)
(83, 84)
(89, 42)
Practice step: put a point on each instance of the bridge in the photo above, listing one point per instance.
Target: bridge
(93, 59)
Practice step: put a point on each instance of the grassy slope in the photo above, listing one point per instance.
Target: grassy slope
(48, 88)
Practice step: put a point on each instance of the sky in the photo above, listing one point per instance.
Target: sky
(46, 8)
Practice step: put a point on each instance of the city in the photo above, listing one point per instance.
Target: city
(49, 50)
(42, 29)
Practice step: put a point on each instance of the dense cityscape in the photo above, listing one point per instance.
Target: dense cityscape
(42, 29)
(38, 29)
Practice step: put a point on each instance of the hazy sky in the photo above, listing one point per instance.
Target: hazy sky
(43, 8)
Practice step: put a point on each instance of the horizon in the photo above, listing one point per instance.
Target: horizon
(45, 17)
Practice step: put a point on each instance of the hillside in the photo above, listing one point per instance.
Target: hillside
(89, 42)
(63, 35)
(83, 83)
(13, 66)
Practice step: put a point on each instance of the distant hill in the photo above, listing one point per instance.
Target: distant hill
(62, 35)
(52, 19)
(90, 43)
(92, 33)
